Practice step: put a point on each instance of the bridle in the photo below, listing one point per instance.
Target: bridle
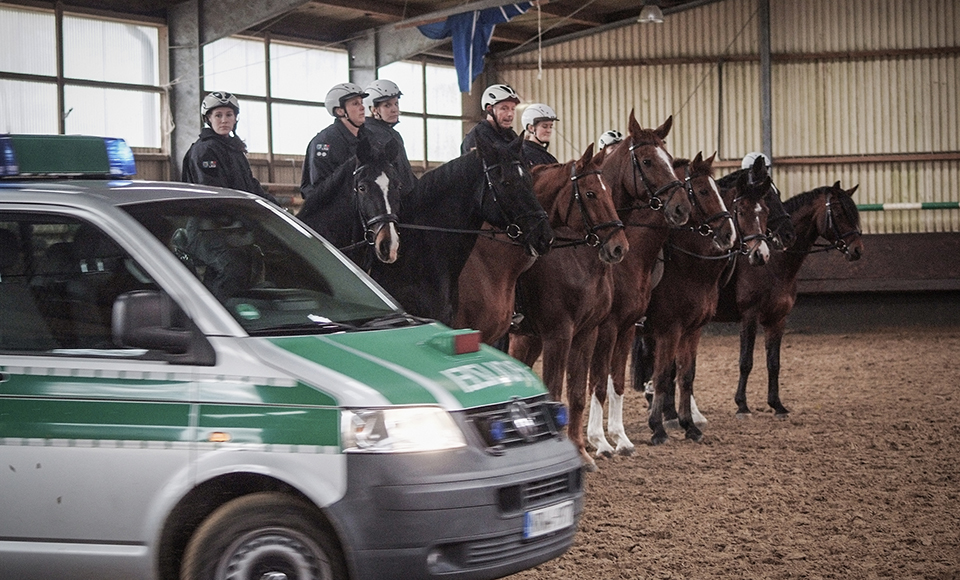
(840, 242)
(370, 228)
(592, 238)
(742, 248)
(655, 203)
(706, 227)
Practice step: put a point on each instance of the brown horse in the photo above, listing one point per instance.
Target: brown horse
(567, 293)
(767, 295)
(686, 298)
(575, 198)
(634, 279)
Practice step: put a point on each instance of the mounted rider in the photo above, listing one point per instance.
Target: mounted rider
(500, 107)
(382, 103)
(537, 121)
(336, 144)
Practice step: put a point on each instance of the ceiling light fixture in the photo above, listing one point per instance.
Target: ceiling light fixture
(650, 13)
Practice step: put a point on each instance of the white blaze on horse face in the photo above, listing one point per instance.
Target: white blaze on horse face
(603, 186)
(664, 158)
(383, 182)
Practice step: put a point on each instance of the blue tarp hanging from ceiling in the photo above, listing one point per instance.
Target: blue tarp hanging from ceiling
(471, 33)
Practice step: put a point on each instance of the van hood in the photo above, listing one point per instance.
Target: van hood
(404, 366)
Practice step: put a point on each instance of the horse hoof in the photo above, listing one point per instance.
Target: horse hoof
(695, 435)
(590, 467)
(625, 451)
(659, 440)
(742, 415)
(605, 453)
(673, 424)
(781, 416)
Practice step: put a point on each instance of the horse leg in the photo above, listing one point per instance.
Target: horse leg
(687, 365)
(580, 351)
(774, 335)
(664, 353)
(748, 336)
(525, 348)
(670, 418)
(616, 388)
(599, 371)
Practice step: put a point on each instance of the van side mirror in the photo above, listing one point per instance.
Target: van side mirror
(151, 320)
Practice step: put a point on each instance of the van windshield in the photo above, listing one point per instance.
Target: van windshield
(272, 274)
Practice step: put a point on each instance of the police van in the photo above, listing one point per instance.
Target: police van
(160, 421)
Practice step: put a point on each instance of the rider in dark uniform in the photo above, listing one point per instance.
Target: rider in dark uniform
(219, 157)
(500, 105)
(538, 120)
(336, 144)
(383, 104)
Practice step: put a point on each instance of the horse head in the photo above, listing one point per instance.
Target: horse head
(709, 211)
(581, 200)
(508, 198)
(839, 222)
(751, 213)
(377, 189)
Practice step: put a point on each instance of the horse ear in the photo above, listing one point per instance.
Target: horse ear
(391, 150)
(709, 160)
(837, 185)
(633, 125)
(698, 159)
(600, 156)
(517, 145)
(484, 147)
(364, 147)
(664, 129)
(852, 191)
(585, 158)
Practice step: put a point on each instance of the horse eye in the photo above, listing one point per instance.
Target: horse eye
(362, 188)
(647, 162)
(591, 194)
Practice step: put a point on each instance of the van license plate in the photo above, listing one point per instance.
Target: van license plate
(547, 520)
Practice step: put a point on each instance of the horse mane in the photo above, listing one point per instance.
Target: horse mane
(805, 198)
(730, 180)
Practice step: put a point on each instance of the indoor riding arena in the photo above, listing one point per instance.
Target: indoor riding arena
(854, 473)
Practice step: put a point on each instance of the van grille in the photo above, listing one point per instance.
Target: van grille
(510, 547)
(498, 428)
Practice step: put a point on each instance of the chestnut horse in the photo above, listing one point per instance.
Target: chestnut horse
(575, 198)
(566, 294)
(634, 280)
(767, 295)
(686, 298)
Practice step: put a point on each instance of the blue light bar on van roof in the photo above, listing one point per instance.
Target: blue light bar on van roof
(65, 156)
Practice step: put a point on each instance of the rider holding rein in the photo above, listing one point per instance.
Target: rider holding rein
(219, 157)
(336, 144)
(500, 106)
(538, 120)
(382, 103)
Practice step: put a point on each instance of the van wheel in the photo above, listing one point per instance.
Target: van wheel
(263, 536)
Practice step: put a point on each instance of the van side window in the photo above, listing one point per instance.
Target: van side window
(59, 277)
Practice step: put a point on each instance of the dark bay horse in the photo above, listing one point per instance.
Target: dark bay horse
(634, 279)
(575, 198)
(566, 294)
(442, 219)
(765, 296)
(686, 298)
(359, 211)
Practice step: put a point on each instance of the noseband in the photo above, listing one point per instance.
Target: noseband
(744, 239)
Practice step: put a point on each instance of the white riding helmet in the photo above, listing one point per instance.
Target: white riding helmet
(751, 157)
(380, 90)
(535, 113)
(218, 99)
(341, 93)
(609, 138)
(497, 94)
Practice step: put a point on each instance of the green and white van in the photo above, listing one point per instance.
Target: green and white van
(302, 428)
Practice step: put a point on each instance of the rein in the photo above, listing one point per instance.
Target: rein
(741, 250)
(592, 239)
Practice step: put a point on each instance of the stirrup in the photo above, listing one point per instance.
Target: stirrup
(515, 321)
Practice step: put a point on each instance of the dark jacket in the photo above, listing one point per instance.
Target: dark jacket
(536, 154)
(327, 151)
(221, 162)
(381, 132)
(491, 132)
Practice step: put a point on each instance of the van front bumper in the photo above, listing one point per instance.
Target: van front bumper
(455, 514)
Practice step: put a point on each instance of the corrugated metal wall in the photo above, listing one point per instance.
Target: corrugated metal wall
(850, 79)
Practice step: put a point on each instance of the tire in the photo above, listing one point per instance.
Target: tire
(253, 536)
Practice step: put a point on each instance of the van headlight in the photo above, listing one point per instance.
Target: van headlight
(399, 430)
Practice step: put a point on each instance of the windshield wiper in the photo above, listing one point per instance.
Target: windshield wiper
(325, 327)
(394, 320)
